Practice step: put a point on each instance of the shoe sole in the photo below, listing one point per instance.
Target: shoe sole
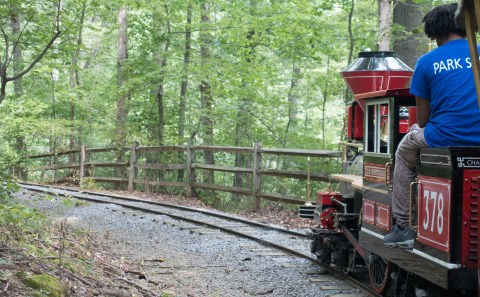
(407, 244)
(390, 245)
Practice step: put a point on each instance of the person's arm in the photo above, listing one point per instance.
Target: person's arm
(423, 111)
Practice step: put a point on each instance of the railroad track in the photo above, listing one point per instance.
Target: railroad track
(203, 221)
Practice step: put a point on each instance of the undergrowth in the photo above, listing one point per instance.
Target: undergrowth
(40, 257)
(16, 220)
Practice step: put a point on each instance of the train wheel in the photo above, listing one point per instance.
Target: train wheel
(379, 272)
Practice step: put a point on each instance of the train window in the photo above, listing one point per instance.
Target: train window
(377, 128)
(403, 115)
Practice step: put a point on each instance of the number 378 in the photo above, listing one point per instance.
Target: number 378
(433, 211)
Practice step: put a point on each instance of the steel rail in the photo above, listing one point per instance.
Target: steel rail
(333, 271)
(186, 208)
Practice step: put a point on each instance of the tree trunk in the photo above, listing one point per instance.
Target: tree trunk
(53, 140)
(292, 103)
(384, 22)
(244, 113)
(206, 117)
(75, 83)
(408, 47)
(184, 88)
(348, 93)
(351, 43)
(324, 103)
(184, 85)
(242, 125)
(4, 64)
(123, 94)
(20, 144)
(161, 87)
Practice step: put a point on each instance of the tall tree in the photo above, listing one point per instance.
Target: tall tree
(206, 99)
(350, 9)
(18, 86)
(324, 103)
(409, 37)
(75, 81)
(161, 84)
(384, 23)
(5, 61)
(292, 103)
(242, 123)
(123, 91)
(184, 84)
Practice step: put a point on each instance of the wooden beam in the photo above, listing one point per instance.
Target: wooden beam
(281, 198)
(106, 164)
(83, 156)
(221, 168)
(257, 178)
(472, 46)
(132, 173)
(160, 183)
(228, 149)
(296, 174)
(300, 152)
(166, 148)
(222, 188)
(159, 166)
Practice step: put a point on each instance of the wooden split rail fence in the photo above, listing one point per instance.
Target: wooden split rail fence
(252, 171)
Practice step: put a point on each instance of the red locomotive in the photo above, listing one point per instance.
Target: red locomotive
(444, 199)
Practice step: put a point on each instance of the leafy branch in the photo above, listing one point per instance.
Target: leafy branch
(4, 78)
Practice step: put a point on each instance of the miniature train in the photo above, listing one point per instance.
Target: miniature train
(444, 199)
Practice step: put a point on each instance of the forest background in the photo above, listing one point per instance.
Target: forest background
(107, 73)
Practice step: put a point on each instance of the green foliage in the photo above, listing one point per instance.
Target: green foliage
(44, 284)
(15, 219)
(255, 47)
(68, 201)
(89, 183)
(273, 68)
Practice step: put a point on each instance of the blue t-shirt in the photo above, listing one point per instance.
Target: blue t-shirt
(445, 77)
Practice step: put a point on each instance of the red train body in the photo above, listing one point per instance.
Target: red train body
(445, 199)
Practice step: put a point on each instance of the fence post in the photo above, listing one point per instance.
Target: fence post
(257, 166)
(55, 159)
(133, 172)
(190, 171)
(83, 156)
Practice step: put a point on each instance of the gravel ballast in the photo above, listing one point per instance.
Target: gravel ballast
(179, 259)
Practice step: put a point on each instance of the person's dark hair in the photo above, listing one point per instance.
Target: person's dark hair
(440, 22)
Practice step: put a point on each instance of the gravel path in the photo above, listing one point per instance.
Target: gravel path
(180, 260)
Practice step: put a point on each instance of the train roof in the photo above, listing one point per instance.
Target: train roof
(403, 92)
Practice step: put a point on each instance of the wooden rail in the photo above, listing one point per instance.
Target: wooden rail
(185, 162)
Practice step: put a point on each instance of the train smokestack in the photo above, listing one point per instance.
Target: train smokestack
(376, 71)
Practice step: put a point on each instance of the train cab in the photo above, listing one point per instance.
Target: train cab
(443, 202)
(444, 198)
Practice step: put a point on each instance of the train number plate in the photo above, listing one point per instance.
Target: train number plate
(433, 204)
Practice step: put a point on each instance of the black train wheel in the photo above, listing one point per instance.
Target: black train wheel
(379, 272)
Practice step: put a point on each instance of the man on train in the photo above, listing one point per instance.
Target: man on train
(447, 112)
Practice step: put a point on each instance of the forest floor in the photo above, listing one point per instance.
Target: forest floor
(55, 261)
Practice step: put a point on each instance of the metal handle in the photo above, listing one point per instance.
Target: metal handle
(388, 174)
(416, 182)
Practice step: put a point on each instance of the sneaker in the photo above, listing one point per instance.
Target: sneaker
(399, 238)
